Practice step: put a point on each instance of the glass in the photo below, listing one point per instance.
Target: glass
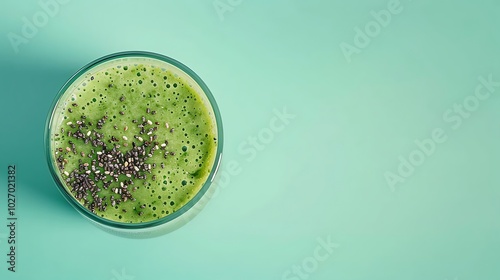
(171, 221)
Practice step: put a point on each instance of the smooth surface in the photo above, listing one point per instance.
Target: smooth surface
(328, 130)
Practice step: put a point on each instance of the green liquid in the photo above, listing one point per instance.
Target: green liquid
(128, 106)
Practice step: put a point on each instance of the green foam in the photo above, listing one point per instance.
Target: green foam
(125, 92)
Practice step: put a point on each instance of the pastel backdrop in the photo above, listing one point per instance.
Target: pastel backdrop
(361, 138)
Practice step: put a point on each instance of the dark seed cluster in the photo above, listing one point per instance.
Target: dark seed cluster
(109, 168)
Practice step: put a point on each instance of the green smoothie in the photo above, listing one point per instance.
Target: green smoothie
(133, 141)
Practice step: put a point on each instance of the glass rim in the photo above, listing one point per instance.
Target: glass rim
(170, 217)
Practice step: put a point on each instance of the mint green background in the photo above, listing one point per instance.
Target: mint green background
(322, 175)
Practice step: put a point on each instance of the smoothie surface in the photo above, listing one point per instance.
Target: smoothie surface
(132, 140)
